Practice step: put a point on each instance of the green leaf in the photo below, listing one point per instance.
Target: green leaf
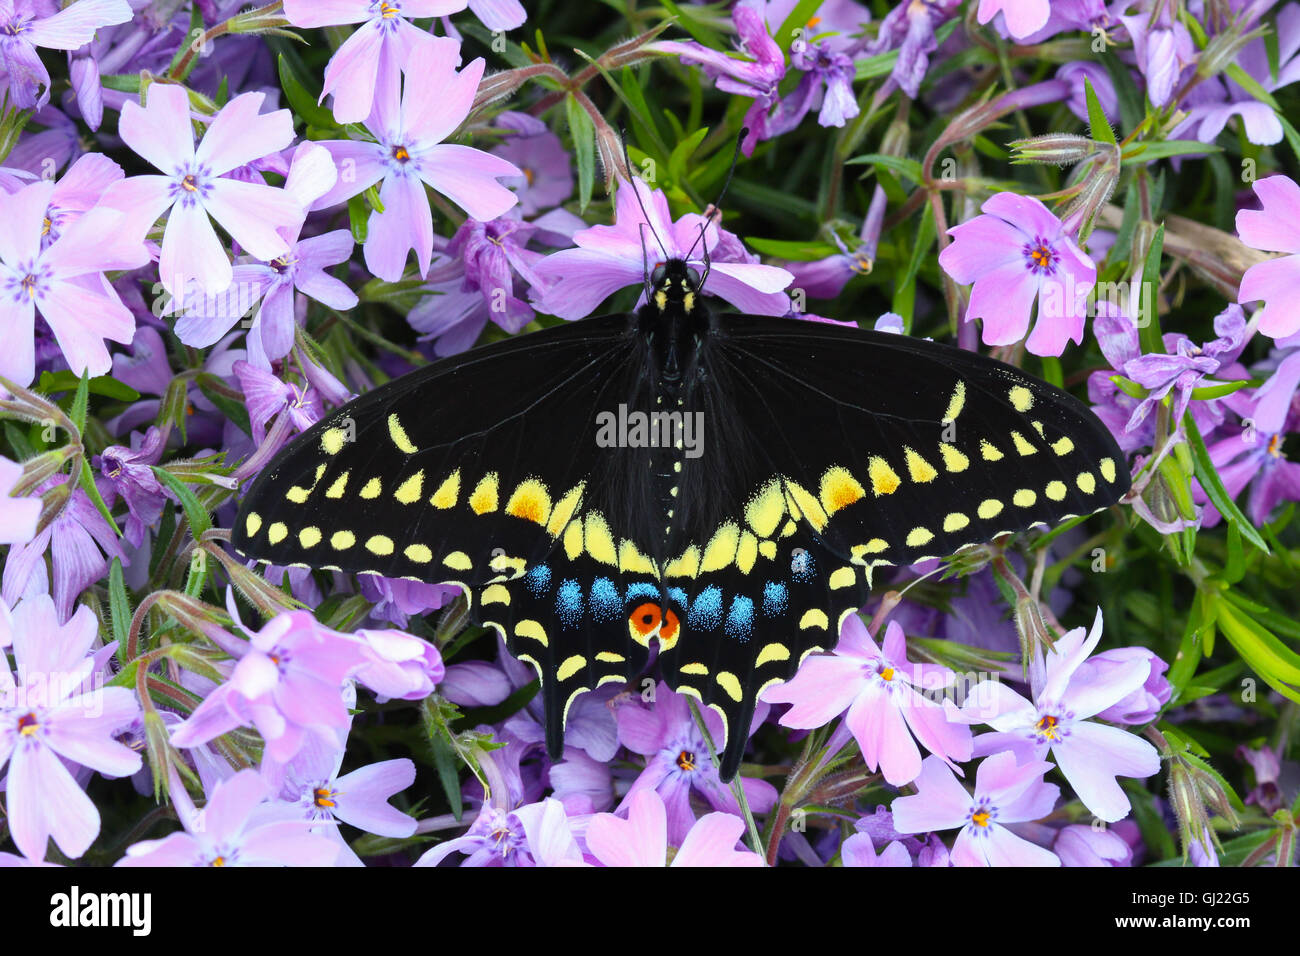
(1149, 325)
(1098, 125)
(51, 382)
(200, 520)
(1212, 485)
(1129, 387)
(796, 23)
(119, 605)
(92, 490)
(359, 219)
(682, 152)
(910, 168)
(1251, 86)
(304, 104)
(1277, 664)
(80, 403)
(795, 251)
(1142, 152)
(584, 148)
(905, 290)
(1207, 392)
(1052, 373)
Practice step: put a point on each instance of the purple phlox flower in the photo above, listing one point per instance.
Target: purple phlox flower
(398, 665)
(609, 258)
(410, 153)
(1020, 18)
(22, 31)
(1201, 850)
(480, 275)
(583, 783)
(1267, 766)
(268, 397)
(755, 71)
(826, 278)
(1075, 73)
(507, 834)
(55, 712)
(49, 142)
(237, 827)
(643, 837)
(1005, 793)
(1080, 845)
(826, 85)
(677, 759)
(1015, 254)
(1274, 228)
(547, 169)
(128, 473)
(18, 516)
(302, 268)
(909, 29)
(63, 281)
(1179, 370)
(1143, 704)
(1087, 15)
(858, 850)
(193, 185)
(287, 683)
(1058, 720)
(1162, 51)
(384, 40)
(1214, 102)
(80, 543)
(476, 684)
(397, 599)
(360, 798)
(78, 191)
(889, 701)
(1252, 455)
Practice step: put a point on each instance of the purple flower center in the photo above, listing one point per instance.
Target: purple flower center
(191, 185)
(281, 265)
(28, 725)
(16, 26)
(28, 284)
(323, 797)
(981, 816)
(1041, 256)
(1052, 726)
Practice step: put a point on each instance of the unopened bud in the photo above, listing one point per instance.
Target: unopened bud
(1058, 148)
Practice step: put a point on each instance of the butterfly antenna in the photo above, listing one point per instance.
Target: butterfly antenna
(631, 181)
(735, 157)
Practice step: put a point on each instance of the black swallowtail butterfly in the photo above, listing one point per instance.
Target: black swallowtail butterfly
(724, 485)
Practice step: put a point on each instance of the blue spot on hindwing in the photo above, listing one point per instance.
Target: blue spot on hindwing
(678, 596)
(605, 605)
(776, 598)
(802, 566)
(740, 619)
(538, 580)
(642, 591)
(706, 610)
(568, 604)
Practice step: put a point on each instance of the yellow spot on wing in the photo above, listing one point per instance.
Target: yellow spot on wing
(953, 460)
(988, 451)
(495, 594)
(859, 552)
(252, 523)
(530, 501)
(765, 509)
(884, 480)
(564, 509)
(721, 549)
(956, 403)
(448, 491)
(989, 508)
(1063, 446)
(799, 499)
(309, 537)
(920, 469)
(771, 654)
(919, 536)
(338, 486)
(1022, 399)
(599, 541)
(1022, 444)
(730, 683)
(532, 630)
(842, 578)
(767, 549)
(570, 667)
(458, 561)
(277, 532)
(1056, 490)
(342, 540)
(746, 552)
(297, 494)
(630, 559)
(814, 618)
(685, 566)
(839, 489)
(1024, 498)
(1107, 468)
(609, 657)
(1086, 482)
(380, 544)
(409, 491)
(398, 434)
(573, 539)
(695, 668)
(332, 440)
(418, 553)
(955, 522)
(372, 488)
(484, 497)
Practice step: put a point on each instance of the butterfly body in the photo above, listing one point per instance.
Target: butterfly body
(717, 488)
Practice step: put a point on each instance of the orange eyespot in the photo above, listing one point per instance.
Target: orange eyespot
(645, 619)
(668, 633)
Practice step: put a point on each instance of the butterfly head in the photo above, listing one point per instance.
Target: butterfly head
(675, 284)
